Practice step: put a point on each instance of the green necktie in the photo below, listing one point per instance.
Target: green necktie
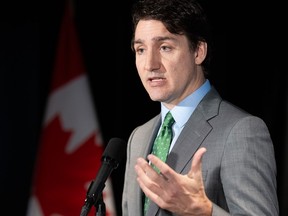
(161, 146)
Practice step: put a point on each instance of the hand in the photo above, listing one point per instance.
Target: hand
(181, 194)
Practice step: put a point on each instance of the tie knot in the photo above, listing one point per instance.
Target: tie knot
(169, 120)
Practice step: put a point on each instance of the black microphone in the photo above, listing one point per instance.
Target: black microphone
(111, 157)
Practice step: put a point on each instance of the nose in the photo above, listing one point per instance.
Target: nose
(152, 61)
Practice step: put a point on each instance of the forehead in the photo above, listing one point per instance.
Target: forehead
(154, 31)
(146, 29)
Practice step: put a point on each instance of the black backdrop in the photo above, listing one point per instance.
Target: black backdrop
(249, 69)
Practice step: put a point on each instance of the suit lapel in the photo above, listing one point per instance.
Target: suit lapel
(194, 132)
(145, 143)
(190, 139)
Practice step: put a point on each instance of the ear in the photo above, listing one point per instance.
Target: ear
(201, 52)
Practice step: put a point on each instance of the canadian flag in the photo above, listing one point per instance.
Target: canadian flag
(71, 146)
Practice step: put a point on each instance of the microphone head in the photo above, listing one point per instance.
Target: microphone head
(115, 150)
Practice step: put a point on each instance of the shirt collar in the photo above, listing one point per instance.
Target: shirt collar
(182, 111)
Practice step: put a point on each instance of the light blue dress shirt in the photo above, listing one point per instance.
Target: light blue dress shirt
(182, 111)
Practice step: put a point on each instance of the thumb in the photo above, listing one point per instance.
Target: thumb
(196, 167)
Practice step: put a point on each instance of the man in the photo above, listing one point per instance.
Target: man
(221, 158)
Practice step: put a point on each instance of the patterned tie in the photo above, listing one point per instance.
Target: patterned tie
(161, 146)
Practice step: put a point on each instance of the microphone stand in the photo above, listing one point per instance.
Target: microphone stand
(98, 203)
(100, 206)
(110, 161)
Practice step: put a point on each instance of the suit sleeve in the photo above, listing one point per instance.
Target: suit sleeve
(248, 170)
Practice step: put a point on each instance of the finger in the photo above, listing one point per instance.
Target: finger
(145, 172)
(166, 172)
(142, 167)
(148, 179)
(196, 167)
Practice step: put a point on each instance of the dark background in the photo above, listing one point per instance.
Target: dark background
(248, 68)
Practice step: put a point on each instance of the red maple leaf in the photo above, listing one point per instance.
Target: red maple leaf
(61, 179)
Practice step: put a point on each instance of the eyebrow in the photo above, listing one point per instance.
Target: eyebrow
(160, 38)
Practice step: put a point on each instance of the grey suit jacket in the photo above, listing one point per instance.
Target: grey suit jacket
(239, 169)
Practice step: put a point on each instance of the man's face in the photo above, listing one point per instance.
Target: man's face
(167, 67)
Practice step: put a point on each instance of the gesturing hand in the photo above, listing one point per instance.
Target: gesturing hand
(180, 194)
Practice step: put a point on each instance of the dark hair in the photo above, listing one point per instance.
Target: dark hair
(183, 17)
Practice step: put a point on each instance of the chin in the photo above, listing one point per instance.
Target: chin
(158, 95)
(157, 98)
(153, 98)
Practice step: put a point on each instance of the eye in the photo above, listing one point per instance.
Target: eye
(139, 50)
(165, 48)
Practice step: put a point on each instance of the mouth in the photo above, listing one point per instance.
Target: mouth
(156, 79)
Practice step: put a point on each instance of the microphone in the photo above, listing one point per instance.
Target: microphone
(111, 157)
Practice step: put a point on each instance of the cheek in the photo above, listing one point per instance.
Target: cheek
(180, 73)
(140, 73)
(139, 68)
(139, 64)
